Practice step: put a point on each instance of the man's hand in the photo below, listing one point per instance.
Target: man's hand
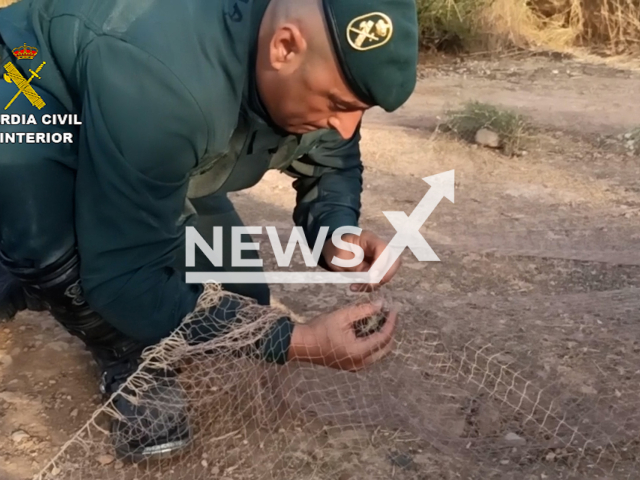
(372, 245)
(330, 340)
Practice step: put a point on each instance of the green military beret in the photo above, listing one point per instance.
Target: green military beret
(376, 42)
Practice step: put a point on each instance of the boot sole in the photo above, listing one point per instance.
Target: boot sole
(156, 452)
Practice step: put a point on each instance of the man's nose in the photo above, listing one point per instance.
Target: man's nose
(346, 123)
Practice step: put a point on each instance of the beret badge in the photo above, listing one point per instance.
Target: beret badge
(369, 31)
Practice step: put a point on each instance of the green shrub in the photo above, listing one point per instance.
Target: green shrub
(473, 116)
(449, 24)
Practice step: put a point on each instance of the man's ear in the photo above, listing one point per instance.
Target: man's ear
(287, 48)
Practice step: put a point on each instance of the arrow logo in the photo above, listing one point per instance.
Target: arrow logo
(408, 227)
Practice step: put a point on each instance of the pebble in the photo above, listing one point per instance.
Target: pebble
(105, 459)
(514, 439)
(487, 138)
(58, 346)
(20, 436)
(401, 460)
(74, 413)
(588, 390)
(6, 360)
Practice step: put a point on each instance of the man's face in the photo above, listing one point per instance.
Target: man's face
(307, 93)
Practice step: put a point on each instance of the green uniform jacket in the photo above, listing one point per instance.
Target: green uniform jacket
(169, 111)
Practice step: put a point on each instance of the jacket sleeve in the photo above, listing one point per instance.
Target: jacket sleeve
(142, 133)
(328, 185)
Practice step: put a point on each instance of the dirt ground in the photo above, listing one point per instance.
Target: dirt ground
(538, 259)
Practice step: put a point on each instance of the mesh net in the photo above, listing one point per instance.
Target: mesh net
(432, 409)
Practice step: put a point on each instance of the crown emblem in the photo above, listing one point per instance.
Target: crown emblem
(25, 52)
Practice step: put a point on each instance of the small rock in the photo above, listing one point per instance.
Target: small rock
(204, 463)
(550, 457)
(119, 465)
(58, 346)
(105, 459)
(588, 390)
(444, 287)
(487, 138)
(504, 462)
(402, 460)
(55, 471)
(20, 436)
(74, 413)
(6, 360)
(514, 439)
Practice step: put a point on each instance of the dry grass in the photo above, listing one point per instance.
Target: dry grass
(615, 23)
(514, 22)
(605, 26)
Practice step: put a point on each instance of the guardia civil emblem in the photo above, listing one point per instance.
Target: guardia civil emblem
(370, 31)
(13, 75)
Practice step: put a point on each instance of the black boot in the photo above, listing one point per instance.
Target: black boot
(12, 298)
(154, 420)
